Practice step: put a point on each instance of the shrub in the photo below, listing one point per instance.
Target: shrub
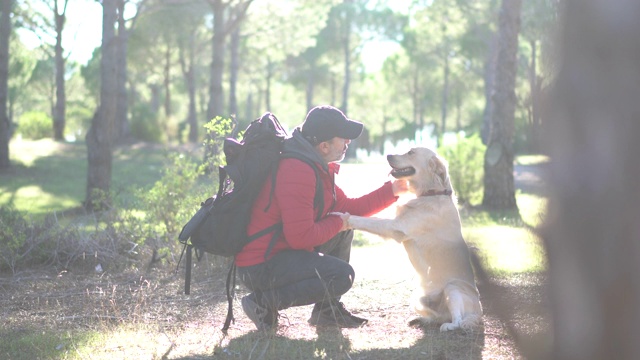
(143, 225)
(217, 130)
(25, 243)
(78, 120)
(169, 196)
(173, 199)
(466, 167)
(35, 125)
(145, 125)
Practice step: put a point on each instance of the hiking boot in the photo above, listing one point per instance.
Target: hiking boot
(334, 315)
(264, 319)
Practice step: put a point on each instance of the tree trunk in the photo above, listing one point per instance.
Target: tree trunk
(99, 136)
(534, 84)
(249, 107)
(215, 106)
(188, 72)
(5, 128)
(445, 96)
(258, 109)
(311, 84)
(383, 137)
(60, 106)
(489, 75)
(592, 233)
(458, 100)
(267, 90)
(234, 68)
(346, 47)
(351, 151)
(121, 128)
(416, 95)
(499, 190)
(167, 84)
(334, 85)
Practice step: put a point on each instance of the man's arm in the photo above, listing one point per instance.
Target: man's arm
(373, 202)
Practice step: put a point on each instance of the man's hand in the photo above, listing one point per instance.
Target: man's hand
(345, 219)
(400, 187)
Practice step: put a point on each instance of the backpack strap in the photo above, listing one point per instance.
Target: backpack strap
(278, 228)
(318, 199)
(231, 285)
(188, 265)
(188, 249)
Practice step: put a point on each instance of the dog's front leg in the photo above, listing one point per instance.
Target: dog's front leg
(387, 228)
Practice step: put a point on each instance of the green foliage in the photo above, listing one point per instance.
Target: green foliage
(466, 159)
(12, 226)
(35, 125)
(144, 124)
(174, 198)
(25, 243)
(140, 223)
(40, 342)
(21, 66)
(219, 127)
(79, 117)
(91, 74)
(217, 130)
(164, 204)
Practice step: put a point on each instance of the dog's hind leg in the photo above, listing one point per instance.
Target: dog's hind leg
(426, 307)
(455, 302)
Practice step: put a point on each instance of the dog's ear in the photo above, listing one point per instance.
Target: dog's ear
(438, 168)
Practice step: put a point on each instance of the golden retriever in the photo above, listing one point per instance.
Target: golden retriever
(429, 228)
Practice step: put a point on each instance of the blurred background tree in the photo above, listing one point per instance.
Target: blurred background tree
(412, 71)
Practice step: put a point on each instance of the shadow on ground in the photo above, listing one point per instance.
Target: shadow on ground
(335, 344)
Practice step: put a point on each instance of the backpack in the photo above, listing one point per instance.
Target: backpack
(219, 226)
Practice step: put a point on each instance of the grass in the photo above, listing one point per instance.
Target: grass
(143, 314)
(532, 159)
(48, 176)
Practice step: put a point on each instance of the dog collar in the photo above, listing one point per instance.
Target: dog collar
(435, 192)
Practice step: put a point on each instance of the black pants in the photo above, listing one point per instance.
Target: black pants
(299, 277)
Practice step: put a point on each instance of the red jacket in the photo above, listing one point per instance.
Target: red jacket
(292, 204)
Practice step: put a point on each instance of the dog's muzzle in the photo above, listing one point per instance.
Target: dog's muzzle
(398, 172)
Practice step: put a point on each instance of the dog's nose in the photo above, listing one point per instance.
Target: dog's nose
(389, 157)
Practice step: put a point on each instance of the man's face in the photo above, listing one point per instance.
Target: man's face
(334, 150)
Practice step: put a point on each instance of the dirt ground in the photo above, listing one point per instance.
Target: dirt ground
(185, 327)
(172, 325)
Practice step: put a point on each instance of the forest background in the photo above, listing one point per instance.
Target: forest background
(409, 70)
(165, 68)
(415, 72)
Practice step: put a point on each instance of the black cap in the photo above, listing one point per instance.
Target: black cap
(326, 122)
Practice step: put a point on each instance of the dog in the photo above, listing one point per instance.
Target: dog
(429, 227)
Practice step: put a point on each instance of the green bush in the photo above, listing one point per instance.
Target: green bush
(78, 120)
(13, 232)
(175, 197)
(145, 125)
(466, 167)
(168, 198)
(217, 130)
(141, 228)
(35, 125)
(25, 243)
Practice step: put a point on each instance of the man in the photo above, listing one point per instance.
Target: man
(307, 262)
